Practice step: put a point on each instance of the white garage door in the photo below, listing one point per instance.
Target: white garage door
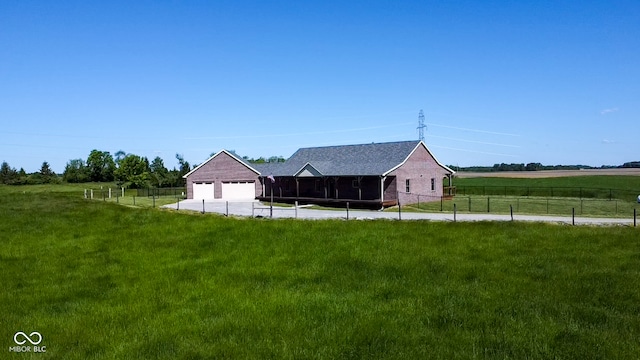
(239, 190)
(203, 190)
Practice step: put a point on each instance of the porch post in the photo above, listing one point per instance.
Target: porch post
(382, 179)
(324, 184)
(335, 180)
(359, 187)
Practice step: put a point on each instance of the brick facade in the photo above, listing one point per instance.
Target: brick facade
(420, 168)
(220, 168)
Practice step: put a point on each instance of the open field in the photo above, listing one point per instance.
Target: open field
(102, 281)
(550, 173)
(496, 204)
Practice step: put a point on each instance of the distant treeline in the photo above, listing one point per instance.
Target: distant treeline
(539, 166)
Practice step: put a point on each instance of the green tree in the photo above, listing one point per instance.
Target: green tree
(8, 175)
(184, 165)
(47, 175)
(118, 156)
(101, 166)
(133, 172)
(158, 171)
(75, 172)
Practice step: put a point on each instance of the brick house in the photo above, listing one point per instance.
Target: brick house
(371, 175)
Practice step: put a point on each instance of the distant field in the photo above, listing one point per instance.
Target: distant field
(102, 281)
(550, 173)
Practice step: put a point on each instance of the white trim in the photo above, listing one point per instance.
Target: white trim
(233, 156)
(414, 150)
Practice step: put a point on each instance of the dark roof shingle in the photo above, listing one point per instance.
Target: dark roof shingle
(344, 160)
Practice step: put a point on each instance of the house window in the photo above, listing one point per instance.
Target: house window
(433, 184)
(407, 185)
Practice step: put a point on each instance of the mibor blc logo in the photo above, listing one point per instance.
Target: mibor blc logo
(27, 343)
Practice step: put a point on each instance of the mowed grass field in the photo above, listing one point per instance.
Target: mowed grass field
(100, 280)
(627, 186)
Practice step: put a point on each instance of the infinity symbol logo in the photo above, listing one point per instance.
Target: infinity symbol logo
(28, 338)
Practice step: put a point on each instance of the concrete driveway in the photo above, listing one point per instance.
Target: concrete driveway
(258, 209)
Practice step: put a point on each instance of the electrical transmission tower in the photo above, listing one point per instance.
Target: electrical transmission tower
(421, 125)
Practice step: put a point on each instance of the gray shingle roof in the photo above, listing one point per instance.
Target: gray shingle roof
(345, 160)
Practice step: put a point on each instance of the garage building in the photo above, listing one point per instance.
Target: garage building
(224, 176)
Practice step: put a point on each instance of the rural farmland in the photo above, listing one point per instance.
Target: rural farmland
(101, 280)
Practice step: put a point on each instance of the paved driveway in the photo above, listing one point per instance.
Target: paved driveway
(258, 209)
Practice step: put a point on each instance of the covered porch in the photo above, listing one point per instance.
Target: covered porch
(357, 191)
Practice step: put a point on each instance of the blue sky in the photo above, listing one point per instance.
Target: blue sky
(554, 82)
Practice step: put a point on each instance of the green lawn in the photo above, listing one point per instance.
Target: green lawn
(530, 206)
(99, 280)
(625, 188)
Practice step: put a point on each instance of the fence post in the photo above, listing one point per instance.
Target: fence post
(347, 210)
(454, 212)
(122, 191)
(399, 207)
(441, 202)
(227, 207)
(109, 193)
(295, 203)
(418, 201)
(634, 217)
(469, 203)
(511, 208)
(91, 194)
(488, 205)
(85, 193)
(573, 216)
(203, 206)
(178, 205)
(253, 209)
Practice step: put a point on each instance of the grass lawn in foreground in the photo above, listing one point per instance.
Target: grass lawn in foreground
(99, 280)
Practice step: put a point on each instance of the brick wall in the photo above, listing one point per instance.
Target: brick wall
(221, 168)
(419, 169)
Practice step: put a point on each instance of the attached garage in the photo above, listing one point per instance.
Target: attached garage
(203, 190)
(224, 176)
(238, 190)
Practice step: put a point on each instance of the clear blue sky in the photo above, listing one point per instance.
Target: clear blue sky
(555, 82)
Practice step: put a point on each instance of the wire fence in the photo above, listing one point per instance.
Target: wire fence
(548, 192)
(137, 197)
(531, 205)
(169, 191)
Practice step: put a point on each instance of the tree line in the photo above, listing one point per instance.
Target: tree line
(128, 170)
(11, 176)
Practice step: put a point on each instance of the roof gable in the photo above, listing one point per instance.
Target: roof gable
(308, 171)
(232, 155)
